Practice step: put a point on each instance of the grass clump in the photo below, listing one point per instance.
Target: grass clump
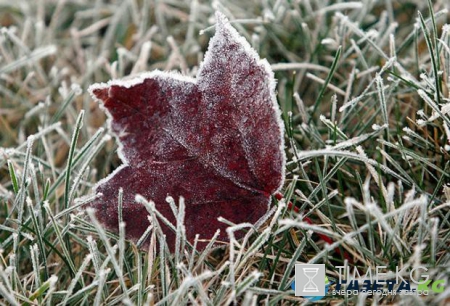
(363, 87)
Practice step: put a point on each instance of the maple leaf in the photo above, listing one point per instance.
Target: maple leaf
(216, 140)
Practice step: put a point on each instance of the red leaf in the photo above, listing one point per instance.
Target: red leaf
(216, 140)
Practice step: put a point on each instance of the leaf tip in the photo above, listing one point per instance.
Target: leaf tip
(221, 19)
(99, 91)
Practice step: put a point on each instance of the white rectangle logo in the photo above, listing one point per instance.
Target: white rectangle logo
(309, 280)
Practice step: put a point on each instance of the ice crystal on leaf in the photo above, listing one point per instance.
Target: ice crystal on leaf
(216, 140)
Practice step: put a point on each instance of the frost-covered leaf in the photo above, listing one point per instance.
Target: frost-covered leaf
(216, 140)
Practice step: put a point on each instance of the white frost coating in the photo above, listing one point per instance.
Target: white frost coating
(76, 89)
(128, 83)
(329, 41)
(28, 236)
(222, 24)
(139, 79)
(375, 127)
(447, 131)
(53, 279)
(30, 140)
(445, 109)
(421, 122)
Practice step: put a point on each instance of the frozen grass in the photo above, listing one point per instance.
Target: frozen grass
(364, 91)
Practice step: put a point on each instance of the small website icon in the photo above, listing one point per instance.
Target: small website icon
(309, 280)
